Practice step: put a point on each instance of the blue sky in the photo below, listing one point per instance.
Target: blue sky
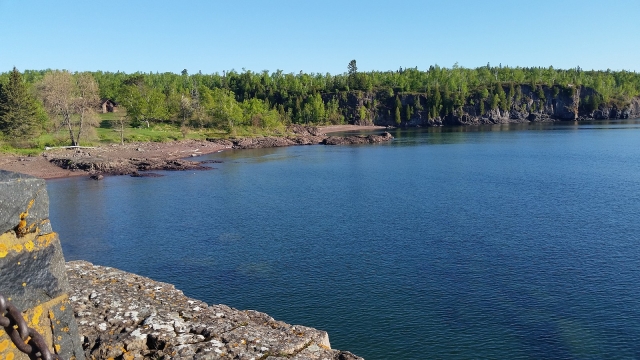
(316, 36)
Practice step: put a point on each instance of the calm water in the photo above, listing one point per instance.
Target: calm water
(518, 242)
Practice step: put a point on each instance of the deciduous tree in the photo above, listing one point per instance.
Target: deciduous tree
(143, 103)
(71, 101)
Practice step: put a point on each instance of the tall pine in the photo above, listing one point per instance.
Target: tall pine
(397, 117)
(18, 109)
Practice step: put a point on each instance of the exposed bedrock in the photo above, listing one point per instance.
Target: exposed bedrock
(126, 316)
(524, 103)
(95, 165)
(302, 135)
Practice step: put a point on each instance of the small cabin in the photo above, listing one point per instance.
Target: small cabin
(108, 106)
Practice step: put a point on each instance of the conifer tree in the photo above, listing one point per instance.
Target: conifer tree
(397, 117)
(18, 109)
(408, 112)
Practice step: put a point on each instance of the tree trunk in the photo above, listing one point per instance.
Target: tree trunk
(67, 118)
(80, 127)
(121, 132)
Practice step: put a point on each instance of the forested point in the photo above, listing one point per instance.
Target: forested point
(56, 107)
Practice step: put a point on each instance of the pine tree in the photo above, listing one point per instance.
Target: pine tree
(408, 112)
(18, 109)
(502, 98)
(495, 101)
(397, 117)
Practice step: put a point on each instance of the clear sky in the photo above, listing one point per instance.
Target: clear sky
(316, 36)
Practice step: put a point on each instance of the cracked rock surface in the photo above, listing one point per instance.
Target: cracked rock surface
(126, 316)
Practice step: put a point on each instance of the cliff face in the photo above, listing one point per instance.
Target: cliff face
(526, 104)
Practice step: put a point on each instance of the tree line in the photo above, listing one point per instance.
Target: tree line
(36, 101)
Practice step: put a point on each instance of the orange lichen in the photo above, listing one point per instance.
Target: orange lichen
(4, 345)
(22, 229)
(37, 314)
(45, 240)
(10, 241)
(29, 245)
(4, 250)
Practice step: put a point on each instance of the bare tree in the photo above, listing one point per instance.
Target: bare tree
(71, 101)
(121, 121)
(86, 102)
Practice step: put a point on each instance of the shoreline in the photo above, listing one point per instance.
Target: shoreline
(329, 129)
(157, 154)
(41, 166)
(153, 319)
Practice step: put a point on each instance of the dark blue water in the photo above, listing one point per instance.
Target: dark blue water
(518, 242)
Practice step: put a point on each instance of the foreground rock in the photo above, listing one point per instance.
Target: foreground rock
(32, 269)
(125, 316)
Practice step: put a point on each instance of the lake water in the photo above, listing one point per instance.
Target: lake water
(519, 242)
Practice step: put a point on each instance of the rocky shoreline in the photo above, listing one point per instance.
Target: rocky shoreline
(522, 104)
(302, 135)
(126, 316)
(97, 164)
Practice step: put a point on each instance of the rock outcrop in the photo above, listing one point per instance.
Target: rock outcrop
(525, 103)
(102, 164)
(126, 316)
(32, 268)
(357, 139)
(95, 165)
(301, 135)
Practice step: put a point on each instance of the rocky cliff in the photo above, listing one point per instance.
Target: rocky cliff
(513, 104)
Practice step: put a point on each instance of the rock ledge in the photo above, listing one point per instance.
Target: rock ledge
(126, 316)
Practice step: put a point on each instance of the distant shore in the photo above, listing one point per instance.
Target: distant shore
(41, 166)
(340, 128)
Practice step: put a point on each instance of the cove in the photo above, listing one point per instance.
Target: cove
(508, 241)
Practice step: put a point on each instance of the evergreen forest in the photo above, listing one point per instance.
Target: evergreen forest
(58, 107)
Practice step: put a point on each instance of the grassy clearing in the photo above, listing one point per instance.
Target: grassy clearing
(108, 132)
